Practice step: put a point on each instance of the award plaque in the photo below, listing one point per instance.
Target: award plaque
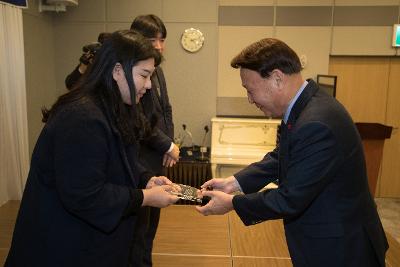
(188, 192)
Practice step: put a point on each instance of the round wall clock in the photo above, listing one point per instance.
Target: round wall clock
(192, 40)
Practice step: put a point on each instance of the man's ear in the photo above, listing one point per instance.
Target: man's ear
(278, 77)
(118, 72)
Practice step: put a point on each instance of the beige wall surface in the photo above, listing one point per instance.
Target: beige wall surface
(231, 42)
(366, 2)
(364, 40)
(126, 10)
(316, 56)
(191, 79)
(39, 66)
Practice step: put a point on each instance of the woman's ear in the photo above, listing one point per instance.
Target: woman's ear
(118, 72)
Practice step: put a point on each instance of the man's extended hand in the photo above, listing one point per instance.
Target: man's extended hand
(219, 204)
(227, 185)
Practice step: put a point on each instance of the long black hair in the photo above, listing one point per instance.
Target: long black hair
(127, 48)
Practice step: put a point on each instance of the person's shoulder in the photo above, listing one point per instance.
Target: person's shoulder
(80, 117)
(325, 109)
(82, 109)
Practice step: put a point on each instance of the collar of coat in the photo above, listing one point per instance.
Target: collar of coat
(301, 102)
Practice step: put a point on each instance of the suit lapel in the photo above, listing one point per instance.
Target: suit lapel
(285, 129)
(283, 151)
(301, 102)
(156, 90)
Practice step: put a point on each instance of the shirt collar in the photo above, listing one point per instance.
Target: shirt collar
(294, 99)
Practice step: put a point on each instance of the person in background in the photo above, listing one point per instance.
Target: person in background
(89, 51)
(156, 107)
(329, 215)
(83, 192)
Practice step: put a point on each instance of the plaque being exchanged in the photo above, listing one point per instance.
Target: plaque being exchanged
(190, 193)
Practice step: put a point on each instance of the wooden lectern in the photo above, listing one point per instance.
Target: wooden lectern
(373, 136)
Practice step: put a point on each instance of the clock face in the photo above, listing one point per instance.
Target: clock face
(192, 40)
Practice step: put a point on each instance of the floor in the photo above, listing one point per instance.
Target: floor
(186, 238)
(389, 211)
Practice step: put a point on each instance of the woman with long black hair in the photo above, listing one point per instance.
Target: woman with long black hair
(83, 188)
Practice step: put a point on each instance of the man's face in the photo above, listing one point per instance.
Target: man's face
(158, 42)
(262, 92)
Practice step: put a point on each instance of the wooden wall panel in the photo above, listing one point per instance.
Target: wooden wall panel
(361, 86)
(390, 170)
(369, 87)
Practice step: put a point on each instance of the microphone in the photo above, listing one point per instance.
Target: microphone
(203, 148)
(203, 143)
(188, 133)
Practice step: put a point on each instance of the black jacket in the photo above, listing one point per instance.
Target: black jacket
(155, 102)
(323, 197)
(80, 185)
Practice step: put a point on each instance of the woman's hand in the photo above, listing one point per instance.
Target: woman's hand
(159, 196)
(157, 181)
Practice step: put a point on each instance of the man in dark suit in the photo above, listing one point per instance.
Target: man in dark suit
(159, 151)
(329, 215)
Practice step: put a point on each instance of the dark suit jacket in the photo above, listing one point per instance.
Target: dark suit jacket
(323, 197)
(157, 104)
(73, 211)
